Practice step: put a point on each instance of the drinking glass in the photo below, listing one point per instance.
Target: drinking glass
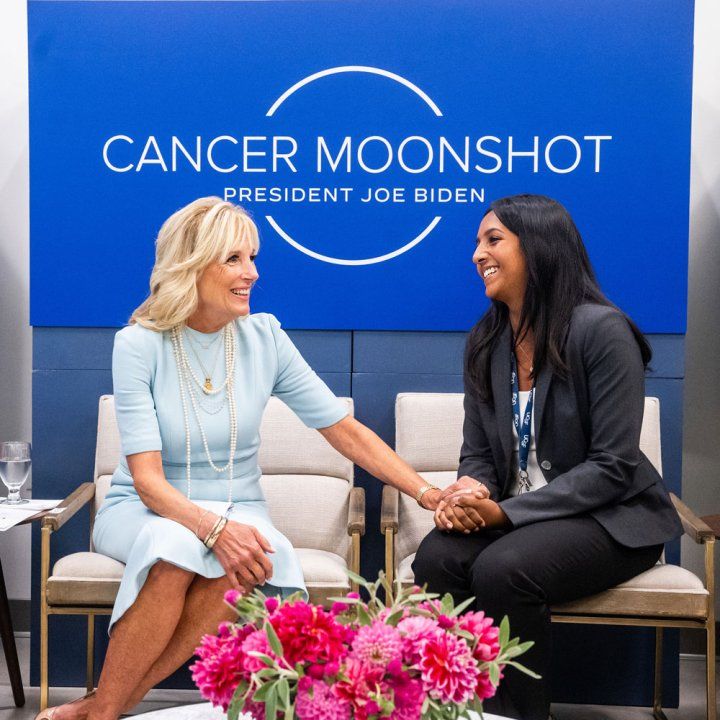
(14, 469)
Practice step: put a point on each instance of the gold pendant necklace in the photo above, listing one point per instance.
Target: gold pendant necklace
(207, 386)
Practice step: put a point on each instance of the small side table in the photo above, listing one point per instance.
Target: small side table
(8, 635)
(8, 643)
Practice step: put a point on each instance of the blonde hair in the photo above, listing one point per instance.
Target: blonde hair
(203, 232)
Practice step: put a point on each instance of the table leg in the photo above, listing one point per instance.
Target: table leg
(8, 641)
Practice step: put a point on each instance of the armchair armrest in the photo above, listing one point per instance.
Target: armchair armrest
(699, 531)
(79, 497)
(356, 512)
(389, 509)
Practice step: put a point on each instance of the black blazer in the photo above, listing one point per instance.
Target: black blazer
(587, 436)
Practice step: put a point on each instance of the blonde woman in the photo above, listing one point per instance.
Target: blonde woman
(192, 374)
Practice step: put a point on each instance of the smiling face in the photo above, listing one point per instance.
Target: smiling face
(224, 290)
(501, 262)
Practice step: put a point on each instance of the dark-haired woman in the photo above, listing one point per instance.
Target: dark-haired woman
(573, 507)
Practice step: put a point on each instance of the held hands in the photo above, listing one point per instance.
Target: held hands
(432, 498)
(465, 483)
(241, 550)
(468, 508)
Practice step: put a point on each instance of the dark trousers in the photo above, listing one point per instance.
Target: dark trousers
(520, 573)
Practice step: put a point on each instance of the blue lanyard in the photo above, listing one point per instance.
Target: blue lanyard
(523, 428)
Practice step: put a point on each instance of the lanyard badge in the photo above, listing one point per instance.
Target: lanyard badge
(523, 428)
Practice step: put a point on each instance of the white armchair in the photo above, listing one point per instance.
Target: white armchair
(429, 436)
(311, 499)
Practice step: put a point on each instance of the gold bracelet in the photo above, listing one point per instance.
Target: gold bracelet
(212, 529)
(216, 533)
(422, 491)
(202, 515)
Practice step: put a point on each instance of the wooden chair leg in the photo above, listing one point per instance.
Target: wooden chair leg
(710, 670)
(44, 615)
(44, 686)
(90, 676)
(657, 692)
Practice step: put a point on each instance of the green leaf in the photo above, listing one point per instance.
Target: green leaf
(273, 639)
(266, 673)
(494, 673)
(346, 600)
(464, 604)
(283, 687)
(394, 618)
(263, 691)
(357, 579)
(514, 651)
(363, 616)
(265, 658)
(504, 634)
(447, 604)
(525, 670)
(236, 704)
(271, 705)
(466, 634)
(524, 647)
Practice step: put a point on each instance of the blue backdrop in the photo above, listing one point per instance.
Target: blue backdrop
(139, 107)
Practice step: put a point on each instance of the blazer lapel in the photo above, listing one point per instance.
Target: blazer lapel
(500, 375)
(542, 384)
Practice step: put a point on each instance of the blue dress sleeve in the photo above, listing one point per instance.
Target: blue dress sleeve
(297, 385)
(132, 387)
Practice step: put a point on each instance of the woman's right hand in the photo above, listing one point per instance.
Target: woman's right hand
(465, 484)
(241, 550)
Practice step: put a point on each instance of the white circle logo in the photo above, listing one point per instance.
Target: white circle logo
(336, 71)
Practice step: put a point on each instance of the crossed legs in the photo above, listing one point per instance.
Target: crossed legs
(156, 635)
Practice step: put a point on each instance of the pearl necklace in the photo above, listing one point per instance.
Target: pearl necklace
(185, 375)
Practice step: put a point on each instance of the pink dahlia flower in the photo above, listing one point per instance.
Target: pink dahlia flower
(408, 695)
(361, 680)
(219, 667)
(232, 596)
(414, 630)
(255, 642)
(317, 702)
(308, 634)
(484, 688)
(487, 646)
(449, 671)
(377, 644)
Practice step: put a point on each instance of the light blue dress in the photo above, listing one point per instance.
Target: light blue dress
(150, 417)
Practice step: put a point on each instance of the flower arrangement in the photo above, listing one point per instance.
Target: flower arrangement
(412, 656)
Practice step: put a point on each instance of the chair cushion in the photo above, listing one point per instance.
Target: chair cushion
(92, 579)
(405, 573)
(85, 578)
(322, 568)
(664, 590)
(666, 578)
